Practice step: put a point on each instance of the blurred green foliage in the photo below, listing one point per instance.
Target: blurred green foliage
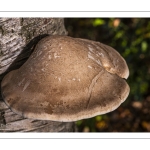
(131, 38)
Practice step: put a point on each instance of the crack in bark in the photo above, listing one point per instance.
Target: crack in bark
(94, 80)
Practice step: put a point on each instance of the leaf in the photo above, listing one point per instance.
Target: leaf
(98, 22)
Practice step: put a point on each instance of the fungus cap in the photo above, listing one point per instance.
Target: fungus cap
(67, 79)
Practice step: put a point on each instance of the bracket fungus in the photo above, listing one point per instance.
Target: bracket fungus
(67, 79)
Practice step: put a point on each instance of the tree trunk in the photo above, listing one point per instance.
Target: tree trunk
(18, 37)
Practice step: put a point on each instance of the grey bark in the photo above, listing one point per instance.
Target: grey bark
(18, 37)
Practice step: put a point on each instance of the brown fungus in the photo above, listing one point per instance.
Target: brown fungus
(67, 79)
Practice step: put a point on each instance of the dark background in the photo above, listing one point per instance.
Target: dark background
(131, 38)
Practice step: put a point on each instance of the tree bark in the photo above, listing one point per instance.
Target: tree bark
(18, 37)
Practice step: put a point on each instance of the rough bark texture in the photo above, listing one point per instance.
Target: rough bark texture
(18, 37)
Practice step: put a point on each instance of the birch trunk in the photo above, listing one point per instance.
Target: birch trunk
(18, 37)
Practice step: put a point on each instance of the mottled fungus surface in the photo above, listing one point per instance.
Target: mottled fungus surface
(67, 79)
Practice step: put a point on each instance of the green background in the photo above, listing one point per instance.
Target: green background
(131, 38)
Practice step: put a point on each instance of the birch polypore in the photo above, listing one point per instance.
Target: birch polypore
(67, 79)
